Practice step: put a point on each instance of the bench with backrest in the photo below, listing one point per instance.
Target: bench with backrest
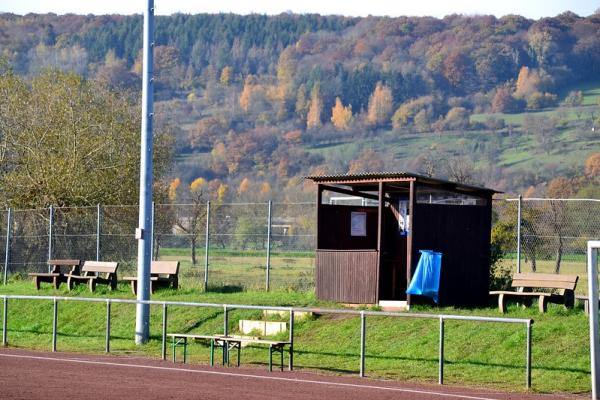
(94, 272)
(162, 274)
(59, 269)
(547, 288)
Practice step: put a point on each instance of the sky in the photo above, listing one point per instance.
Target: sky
(438, 8)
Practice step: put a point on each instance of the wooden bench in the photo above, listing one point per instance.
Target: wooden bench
(227, 344)
(527, 282)
(56, 275)
(94, 272)
(162, 274)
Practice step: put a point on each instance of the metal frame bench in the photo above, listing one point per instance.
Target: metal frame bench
(56, 276)
(527, 282)
(91, 274)
(162, 273)
(227, 344)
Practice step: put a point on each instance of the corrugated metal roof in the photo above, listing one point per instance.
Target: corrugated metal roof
(390, 176)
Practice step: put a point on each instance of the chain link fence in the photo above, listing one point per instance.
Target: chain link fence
(552, 237)
(241, 246)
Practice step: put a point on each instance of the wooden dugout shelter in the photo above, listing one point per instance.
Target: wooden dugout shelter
(368, 253)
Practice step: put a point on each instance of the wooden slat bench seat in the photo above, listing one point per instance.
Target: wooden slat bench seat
(162, 274)
(228, 344)
(56, 274)
(94, 272)
(526, 283)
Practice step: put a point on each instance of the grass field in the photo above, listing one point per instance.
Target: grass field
(477, 353)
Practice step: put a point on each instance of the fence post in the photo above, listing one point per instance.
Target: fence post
(152, 257)
(592, 272)
(268, 269)
(363, 332)
(164, 332)
(441, 353)
(54, 324)
(528, 367)
(98, 221)
(50, 234)
(519, 215)
(7, 249)
(107, 344)
(4, 323)
(206, 245)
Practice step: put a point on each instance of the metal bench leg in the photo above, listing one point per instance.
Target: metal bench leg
(281, 351)
(270, 358)
(173, 349)
(184, 350)
(239, 346)
(212, 352)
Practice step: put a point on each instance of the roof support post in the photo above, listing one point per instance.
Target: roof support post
(409, 239)
(319, 201)
(381, 197)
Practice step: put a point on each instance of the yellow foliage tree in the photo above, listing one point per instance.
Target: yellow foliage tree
(246, 95)
(592, 165)
(244, 186)
(313, 118)
(265, 188)
(380, 105)
(341, 116)
(226, 76)
(197, 184)
(172, 192)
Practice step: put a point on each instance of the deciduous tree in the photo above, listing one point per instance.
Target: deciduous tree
(341, 116)
(380, 106)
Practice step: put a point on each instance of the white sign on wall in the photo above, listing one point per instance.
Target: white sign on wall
(358, 224)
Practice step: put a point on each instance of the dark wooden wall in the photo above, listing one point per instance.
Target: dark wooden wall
(347, 276)
(334, 228)
(392, 273)
(462, 235)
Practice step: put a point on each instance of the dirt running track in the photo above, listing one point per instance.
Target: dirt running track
(38, 375)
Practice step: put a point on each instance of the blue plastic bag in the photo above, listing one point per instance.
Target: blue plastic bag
(426, 280)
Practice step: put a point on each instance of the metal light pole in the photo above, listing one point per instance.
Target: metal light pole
(142, 320)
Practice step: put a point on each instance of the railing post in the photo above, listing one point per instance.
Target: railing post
(528, 368)
(225, 321)
(7, 248)
(206, 245)
(54, 324)
(98, 221)
(164, 332)
(441, 353)
(363, 332)
(519, 223)
(107, 344)
(4, 322)
(268, 269)
(50, 234)
(291, 339)
(152, 256)
(592, 273)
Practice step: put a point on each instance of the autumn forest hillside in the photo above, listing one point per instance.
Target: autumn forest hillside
(257, 102)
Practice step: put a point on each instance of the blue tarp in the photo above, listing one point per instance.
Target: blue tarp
(426, 280)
